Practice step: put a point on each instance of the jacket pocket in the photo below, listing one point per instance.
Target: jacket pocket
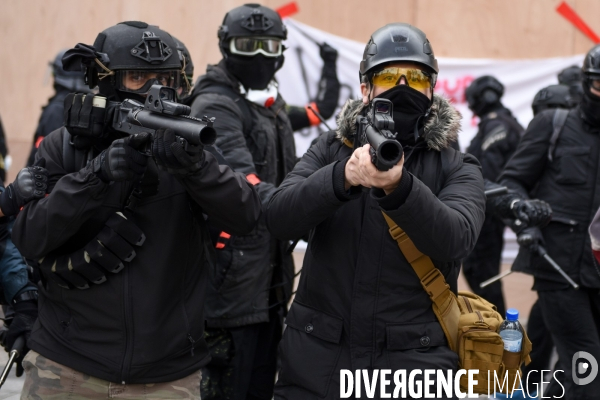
(310, 348)
(572, 165)
(420, 335)
(420, 345)
(561, 236)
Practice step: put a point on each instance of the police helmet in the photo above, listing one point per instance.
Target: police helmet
(250, 20)
(73, 81)
(128, 57)
(553, 96)
(484, 93)
(591, 71)
(398, 42)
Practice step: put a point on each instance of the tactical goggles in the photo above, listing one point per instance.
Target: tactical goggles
(140, 81)
(251, 46)
(415, 78)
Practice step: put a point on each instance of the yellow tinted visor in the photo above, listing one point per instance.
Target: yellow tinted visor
(390, 77)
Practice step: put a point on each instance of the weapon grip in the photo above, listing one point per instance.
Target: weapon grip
(19, 345)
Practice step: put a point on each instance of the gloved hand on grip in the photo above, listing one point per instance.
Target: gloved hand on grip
(26, 313)
(174, 154)
(122, 161)
(30, 184)
(532, 212)
(532, 238)
(85, 116)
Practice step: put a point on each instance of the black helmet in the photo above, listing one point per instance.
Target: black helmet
(395, 43)
(70, 80)
(591, 70)
(553, 96)
(591, 63)
(570, 75)
(187, 67)
(127, 48)
(483, 94)
(251, 20)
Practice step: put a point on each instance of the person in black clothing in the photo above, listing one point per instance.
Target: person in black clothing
(360, 304)
(121, 240)
(495, 142)
(252, 283)
(561, 170)
(16, 288)
(65, 82)
(3, 152)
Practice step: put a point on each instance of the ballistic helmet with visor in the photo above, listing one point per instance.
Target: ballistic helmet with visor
(553, 96)
(394, 43)
(252, 29)
(130, 57)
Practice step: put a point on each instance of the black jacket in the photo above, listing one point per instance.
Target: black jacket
(496, 141)
(50, 120)
(359, 303)
(253, 140)
(570, 184)
(146, 323)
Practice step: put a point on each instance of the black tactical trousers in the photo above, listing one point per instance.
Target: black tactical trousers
(484, 262)
(573, 319)
(244, 361)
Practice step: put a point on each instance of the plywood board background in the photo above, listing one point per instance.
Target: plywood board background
(34, 31)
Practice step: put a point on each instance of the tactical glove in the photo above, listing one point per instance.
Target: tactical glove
(26, 313)
(122, 161)
(82, 118)
(531, 238)
(532, 212)
(30, 184)
(174, 154)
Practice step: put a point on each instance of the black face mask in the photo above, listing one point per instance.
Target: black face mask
(253, 72)
(590, 106)
(410, 106)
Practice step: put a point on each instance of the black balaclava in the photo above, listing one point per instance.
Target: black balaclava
(253, 72)
(590, 105)
(410, 108)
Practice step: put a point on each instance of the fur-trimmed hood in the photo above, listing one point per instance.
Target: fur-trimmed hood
(441, 127)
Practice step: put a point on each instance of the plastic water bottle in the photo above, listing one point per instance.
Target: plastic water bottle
(511, 331)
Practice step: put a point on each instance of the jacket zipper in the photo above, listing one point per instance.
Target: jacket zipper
(127, 357)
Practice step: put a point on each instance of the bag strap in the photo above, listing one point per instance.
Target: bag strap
(444, 301)
(558, 122)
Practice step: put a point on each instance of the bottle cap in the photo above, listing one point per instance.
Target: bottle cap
(512, 314)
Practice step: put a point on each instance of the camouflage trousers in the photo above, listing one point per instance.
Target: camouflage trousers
(48, 380)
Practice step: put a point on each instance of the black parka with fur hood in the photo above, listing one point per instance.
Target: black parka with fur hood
(359, 303)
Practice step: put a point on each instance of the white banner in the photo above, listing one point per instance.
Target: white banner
(298, 79)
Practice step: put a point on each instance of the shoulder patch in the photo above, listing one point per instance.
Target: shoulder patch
(497, 134)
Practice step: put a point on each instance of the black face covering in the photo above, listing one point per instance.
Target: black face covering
(410, 106)
(253, 72)
(590, 106)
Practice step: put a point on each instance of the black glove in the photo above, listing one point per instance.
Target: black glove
(328, 53)
(531, 238)
(82, 118)
(174, 154)
(532, 212)
(122, 161)
(26, 313)
(30, 184)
